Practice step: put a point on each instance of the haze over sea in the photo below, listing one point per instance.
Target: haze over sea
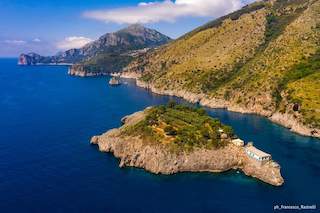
(48, 165)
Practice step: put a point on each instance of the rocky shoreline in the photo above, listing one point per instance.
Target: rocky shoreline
(285, 120)
(79, 70)
(158, 159)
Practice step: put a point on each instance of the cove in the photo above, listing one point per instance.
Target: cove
(48, 165)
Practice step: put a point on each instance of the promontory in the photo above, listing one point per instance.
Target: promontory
(173, 138)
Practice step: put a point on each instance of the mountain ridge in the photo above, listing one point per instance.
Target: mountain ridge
(261, 59)
(131, 38)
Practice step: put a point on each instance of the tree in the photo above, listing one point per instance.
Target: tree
(228, 130)
(172, 104)
(169, 130)
(201, 111)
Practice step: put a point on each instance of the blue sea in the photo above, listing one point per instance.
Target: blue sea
(47, 164)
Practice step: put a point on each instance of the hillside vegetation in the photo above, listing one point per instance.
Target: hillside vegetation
(263, 58)
(181, 128)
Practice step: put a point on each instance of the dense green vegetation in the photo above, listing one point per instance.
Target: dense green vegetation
(306, 92)
(279, 18)
(264, 58)
(302, 83)
(306, 67)
(181, 127)
(213, 80)
(233, 16)
(106, 63)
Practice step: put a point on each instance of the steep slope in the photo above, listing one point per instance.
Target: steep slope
(107, 54)
(261, 59)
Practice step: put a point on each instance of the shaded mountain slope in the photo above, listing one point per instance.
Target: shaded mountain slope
(107, 54)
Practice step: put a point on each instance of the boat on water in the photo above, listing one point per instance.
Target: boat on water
(114, 81)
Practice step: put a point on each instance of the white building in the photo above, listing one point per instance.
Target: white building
(257, 154)
(238, 142)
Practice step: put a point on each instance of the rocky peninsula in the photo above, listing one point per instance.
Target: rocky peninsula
(81, 71)
(172, 139)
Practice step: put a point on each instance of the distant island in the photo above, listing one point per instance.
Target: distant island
(175, 138)
(110, 53)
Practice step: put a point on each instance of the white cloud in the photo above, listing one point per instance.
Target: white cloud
(167, 10)
(15, 42)
(73, 42)
(36, 40)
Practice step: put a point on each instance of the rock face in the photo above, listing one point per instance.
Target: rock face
(30, 59)
(287, 120)
(102, 55)
(133, 151)
(79, 70)
(65, 58)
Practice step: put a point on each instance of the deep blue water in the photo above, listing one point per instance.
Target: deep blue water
(47, 164)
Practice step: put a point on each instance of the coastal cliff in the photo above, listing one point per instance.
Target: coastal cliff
(287, 120)
(81, 71)
(138, 151)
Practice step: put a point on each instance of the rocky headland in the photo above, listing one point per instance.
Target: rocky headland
(81, 71)
(158, 157)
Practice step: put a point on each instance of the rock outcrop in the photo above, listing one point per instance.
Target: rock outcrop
(81, 71)
(64, 58)
(158, 159)
(30, 59)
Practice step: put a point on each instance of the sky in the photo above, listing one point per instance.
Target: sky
(49, 26)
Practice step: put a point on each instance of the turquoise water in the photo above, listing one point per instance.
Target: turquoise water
(47, 164)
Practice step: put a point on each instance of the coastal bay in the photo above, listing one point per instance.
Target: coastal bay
(46, 131)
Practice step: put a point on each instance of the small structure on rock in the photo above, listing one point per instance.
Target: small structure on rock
(224, 136)
(257, 155)
(238, 142)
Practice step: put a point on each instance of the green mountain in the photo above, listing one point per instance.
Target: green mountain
(263, 59)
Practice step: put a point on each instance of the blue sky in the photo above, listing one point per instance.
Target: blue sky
(49, 26)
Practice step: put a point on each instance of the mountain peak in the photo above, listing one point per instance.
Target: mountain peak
(136, 26)
(134, 29)
(133, 37)
(142, 32)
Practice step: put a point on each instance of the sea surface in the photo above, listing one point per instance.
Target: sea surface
(47, 164)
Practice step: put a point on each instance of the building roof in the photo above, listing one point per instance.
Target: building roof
(257, 152)
(237, 140)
